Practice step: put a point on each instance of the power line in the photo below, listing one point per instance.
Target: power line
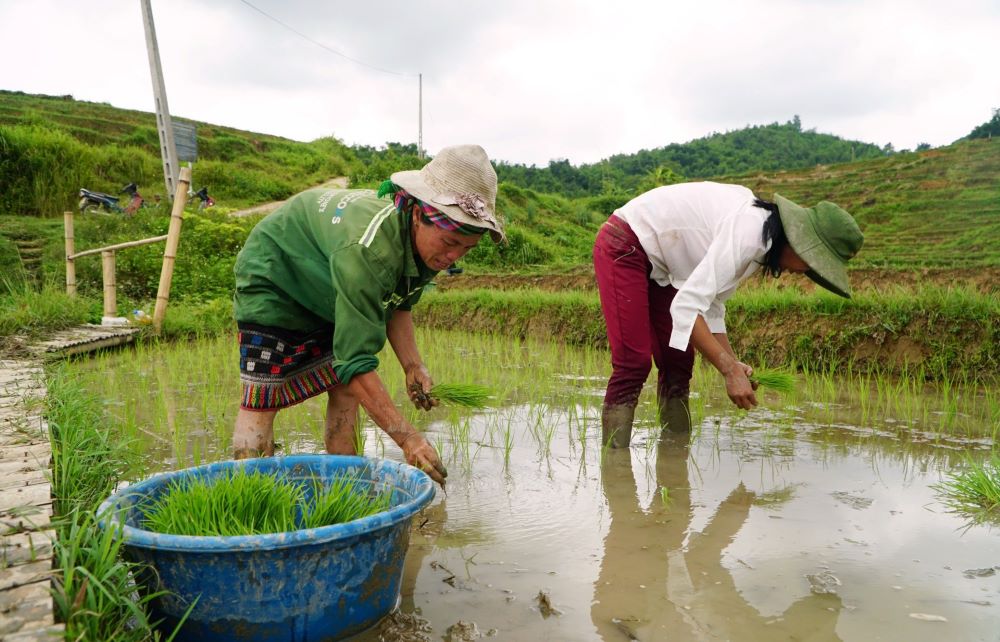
(321, 45)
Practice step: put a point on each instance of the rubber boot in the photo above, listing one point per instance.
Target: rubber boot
(675, 416)
(616, 425)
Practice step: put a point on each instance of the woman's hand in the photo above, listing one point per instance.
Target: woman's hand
(421, 454)
(738, 386)
(418, 386)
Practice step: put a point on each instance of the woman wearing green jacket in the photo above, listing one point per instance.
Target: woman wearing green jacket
(323, 282)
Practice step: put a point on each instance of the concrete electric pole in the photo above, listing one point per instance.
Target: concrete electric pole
(168, 149)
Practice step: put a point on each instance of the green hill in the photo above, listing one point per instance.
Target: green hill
(758, 148)
(52, 146)
(934, 208)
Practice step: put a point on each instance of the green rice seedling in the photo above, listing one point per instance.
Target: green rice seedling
(777, 380)
(238, 503)
(467, 395)
(665, 497)
(256, 503)
(974, 490)
(343, 501)
(93, 588)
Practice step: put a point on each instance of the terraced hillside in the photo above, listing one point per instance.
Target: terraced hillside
(936, 208)
(102, 124)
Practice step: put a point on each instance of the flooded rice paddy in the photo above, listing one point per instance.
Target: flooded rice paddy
(812, 517)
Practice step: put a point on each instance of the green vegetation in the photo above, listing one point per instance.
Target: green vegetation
(467, 395)
(178, 402)
(34, 313)
(937, 207)
(93, 590)
(759, 148)
(989, 129)
(932, 208)
(942, 333)
(255, 503)
(51, 147)
(776, 380)
(974, 490)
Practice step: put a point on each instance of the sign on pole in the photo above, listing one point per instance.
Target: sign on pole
(186, 139)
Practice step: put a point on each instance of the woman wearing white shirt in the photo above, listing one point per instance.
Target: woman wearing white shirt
(667, 261)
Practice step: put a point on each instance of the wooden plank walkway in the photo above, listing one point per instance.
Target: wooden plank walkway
(25, 506)
(26, 536)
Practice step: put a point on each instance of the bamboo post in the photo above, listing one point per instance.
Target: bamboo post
(70, 249)
(108, 264)
(170, 252)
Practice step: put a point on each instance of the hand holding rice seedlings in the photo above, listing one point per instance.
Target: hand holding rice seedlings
(256, 503)
(777, 380)
(468, 395)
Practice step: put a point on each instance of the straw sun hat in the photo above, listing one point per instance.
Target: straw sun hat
(461, 182)
(825, 237)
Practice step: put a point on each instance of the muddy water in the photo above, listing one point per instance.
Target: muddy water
(807, 519)
(803, 538)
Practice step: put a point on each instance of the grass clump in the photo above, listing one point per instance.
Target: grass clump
(777, 380)
(93, 590)
(256, 503)
(467, 395)
(974, 490)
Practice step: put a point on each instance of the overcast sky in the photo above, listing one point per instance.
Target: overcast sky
(530, 80)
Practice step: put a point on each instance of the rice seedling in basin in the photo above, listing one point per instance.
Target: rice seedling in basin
(257, 503)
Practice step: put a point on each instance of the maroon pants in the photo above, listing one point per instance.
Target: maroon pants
(637, 313)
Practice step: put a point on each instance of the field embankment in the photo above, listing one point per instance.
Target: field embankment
(941, 333)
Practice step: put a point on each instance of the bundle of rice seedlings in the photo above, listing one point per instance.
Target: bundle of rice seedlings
(468, 395)
(776, 380)
(344, 501)
(242, 503)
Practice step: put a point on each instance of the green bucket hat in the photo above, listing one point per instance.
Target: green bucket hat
(825, 237)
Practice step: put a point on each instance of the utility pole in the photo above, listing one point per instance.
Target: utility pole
(420, 116)
(168, 150)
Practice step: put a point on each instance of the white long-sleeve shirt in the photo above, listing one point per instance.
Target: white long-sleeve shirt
(703, 239)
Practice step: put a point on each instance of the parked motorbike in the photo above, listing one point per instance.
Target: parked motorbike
(101, 203)
(206, 200)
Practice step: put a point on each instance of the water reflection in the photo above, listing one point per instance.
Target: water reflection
(658, 579)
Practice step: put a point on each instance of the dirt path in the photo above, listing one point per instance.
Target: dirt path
(266, 208)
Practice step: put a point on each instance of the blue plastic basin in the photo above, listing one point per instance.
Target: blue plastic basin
(301, 586)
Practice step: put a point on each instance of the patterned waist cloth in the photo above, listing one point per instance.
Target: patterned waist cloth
(280, 368)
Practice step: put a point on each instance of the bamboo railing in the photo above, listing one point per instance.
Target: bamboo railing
(172, 238)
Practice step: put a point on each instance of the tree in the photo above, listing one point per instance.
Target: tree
(989, 129)
(659, 176)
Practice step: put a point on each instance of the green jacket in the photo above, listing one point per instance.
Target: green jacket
(341, 257)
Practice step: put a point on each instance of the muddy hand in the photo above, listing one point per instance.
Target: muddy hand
(418, 386)
(420, 398)
(739, 388)
(421, 454)
(749, 370)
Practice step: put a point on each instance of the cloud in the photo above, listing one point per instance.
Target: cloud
(531, 81)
